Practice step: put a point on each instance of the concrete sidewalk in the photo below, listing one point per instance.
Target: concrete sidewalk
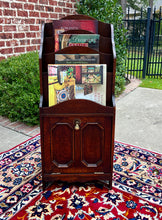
(138, 121)
(14, 133)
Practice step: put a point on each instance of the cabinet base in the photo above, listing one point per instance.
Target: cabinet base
(49, 179)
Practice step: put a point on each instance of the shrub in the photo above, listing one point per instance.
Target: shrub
(19, 88)
(109, 11)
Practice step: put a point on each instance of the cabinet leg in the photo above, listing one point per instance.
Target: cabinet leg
(110, 184)
(44, 185)
(107, 183)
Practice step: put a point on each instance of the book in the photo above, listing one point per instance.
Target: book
(77, 81)
(76, 58)
(84, 40)
(60, 26)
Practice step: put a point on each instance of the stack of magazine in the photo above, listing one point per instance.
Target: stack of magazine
(76, 76)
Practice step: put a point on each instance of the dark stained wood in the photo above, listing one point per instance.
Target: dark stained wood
(77, 136)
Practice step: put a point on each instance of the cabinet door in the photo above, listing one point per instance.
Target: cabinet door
(95, 144)
(77, 145)
(58, 145)
(62, 144)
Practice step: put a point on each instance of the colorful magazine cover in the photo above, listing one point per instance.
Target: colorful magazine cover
(60, 26)
(72, 81)
(76, 58)
(84, 40)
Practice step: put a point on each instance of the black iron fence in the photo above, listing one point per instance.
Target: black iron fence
(144, 44)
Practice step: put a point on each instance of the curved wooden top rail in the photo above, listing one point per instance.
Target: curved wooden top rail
(77, 106)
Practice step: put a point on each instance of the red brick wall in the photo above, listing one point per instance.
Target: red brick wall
(20, 23)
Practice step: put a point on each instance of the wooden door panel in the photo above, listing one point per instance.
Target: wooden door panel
(62, 145)
(92, 144)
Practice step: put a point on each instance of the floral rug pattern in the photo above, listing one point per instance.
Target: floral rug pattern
(136, 191)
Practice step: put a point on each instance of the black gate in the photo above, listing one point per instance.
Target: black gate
(144, 44)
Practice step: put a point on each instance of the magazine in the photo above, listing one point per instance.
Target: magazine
(60, 26)
(76, 58)
(72, 81)
(84, 40)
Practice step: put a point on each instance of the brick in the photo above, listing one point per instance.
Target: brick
(69, 5)
(39, 7)
(31, 35)
(34, 28)
(5, 35)
(14, 125)
(16, 5)
(28, 6)
(38, 35)
(53, 2)
(54, 16)
(0, 28)
(22, 0)
(8, 12)
(36, 41)
(24, 128)
(6, 51)
(23, 28)
(38, 47)
(24, 42)
(2, 43)
(0, 12)
(12, 43)
(5, 121)
(48, 20)
(33, 14)
(22, 13)
(44, 15)
(9, 28)
(2, 58)
(33, 1)
(66, 10)
(19, 35)
(43, 2)
(49, 9)
(34, 133)
(19, 49)
(4, 4)
(31, 48)
(40, 21)
(1, 21)
(57, 9)
(29, 21)
(61, 4)
(17, 21)
(7, 20)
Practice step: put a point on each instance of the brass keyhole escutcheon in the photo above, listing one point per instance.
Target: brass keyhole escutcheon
(77, 123)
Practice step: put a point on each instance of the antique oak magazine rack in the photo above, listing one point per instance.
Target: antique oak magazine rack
(77, 136)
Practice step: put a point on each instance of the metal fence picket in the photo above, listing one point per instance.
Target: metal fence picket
(144, 44)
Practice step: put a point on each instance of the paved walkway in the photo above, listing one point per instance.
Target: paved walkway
(138, 120)
(14, 133)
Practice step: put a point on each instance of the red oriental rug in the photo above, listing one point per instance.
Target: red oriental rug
(136, 192)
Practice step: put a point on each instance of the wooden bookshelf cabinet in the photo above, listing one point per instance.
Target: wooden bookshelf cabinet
(77, 136)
